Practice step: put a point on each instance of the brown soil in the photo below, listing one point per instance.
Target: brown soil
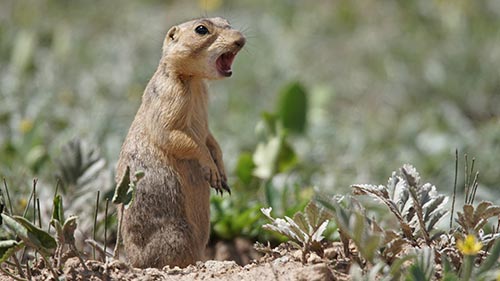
(280, 263)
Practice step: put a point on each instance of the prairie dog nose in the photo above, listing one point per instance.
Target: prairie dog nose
(240, 42)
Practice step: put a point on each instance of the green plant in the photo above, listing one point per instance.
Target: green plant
(270, 173)
(305, 229)
(230, 220)
(25, 236)
(374, 273)
(82, 173)
(65, 231)
(423, 266)
(78, 165)
(470, 247)
(292, 108)
(417, 208)
(31, 236)
(472, 220)
(355, 226)
(274, 154)
(124, 197)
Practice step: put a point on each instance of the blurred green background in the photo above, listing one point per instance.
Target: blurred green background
(386, 83)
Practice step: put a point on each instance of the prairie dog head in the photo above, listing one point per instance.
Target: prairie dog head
(202, 48)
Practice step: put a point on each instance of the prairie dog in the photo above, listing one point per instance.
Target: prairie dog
(169, 139)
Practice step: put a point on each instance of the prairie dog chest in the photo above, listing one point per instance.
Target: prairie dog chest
(198, 110)
(173, 105)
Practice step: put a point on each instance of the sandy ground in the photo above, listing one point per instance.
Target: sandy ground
(279, 264)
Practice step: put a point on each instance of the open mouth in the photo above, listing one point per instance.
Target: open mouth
(224, 63)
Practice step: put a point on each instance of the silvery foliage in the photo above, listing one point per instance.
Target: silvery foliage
(417, 207)
(305, 229)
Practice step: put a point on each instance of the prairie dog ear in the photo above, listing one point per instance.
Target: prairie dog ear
(172, 34)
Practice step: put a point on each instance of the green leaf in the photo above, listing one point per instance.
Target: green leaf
(301, 221)
(8, 248)
(450, 276)
(125, 190)
(14, 226)
(370, 246)
(312, 214)
(271, 194)
(29, 233)
(397, 266)
(58, 212)
(423, 267)
(448, 273)
(296, 229)
(358, 229)
(246, 219)
(287, 158)
(416, 274)
(40, 239)
(245, 167)
(121, 195)
(327, 202)
(492, 259)
(292, 107)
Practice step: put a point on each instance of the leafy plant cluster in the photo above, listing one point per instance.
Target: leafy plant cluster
(80, 172)
(305, 229)
(79, 168)
(410, 244)
(270, 173)
(26, 240)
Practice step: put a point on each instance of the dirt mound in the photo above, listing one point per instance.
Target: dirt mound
(285, 266)
(279, 269)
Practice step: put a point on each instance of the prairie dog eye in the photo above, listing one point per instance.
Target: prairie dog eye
(201, 29)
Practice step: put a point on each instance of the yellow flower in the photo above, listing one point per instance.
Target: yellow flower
(470, 246)
(25, 126)
(22, 203)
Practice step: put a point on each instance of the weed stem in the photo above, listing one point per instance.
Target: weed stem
(95, 220)
(8, 195)
(454, 189)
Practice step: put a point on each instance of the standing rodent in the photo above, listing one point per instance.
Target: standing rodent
(169, 139)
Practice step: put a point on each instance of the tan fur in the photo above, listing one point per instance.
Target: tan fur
(169, 139)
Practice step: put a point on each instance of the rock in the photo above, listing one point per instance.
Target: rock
(314, 258)
(220, 266)
(317, 272)
(283, 259)
(297, 255)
